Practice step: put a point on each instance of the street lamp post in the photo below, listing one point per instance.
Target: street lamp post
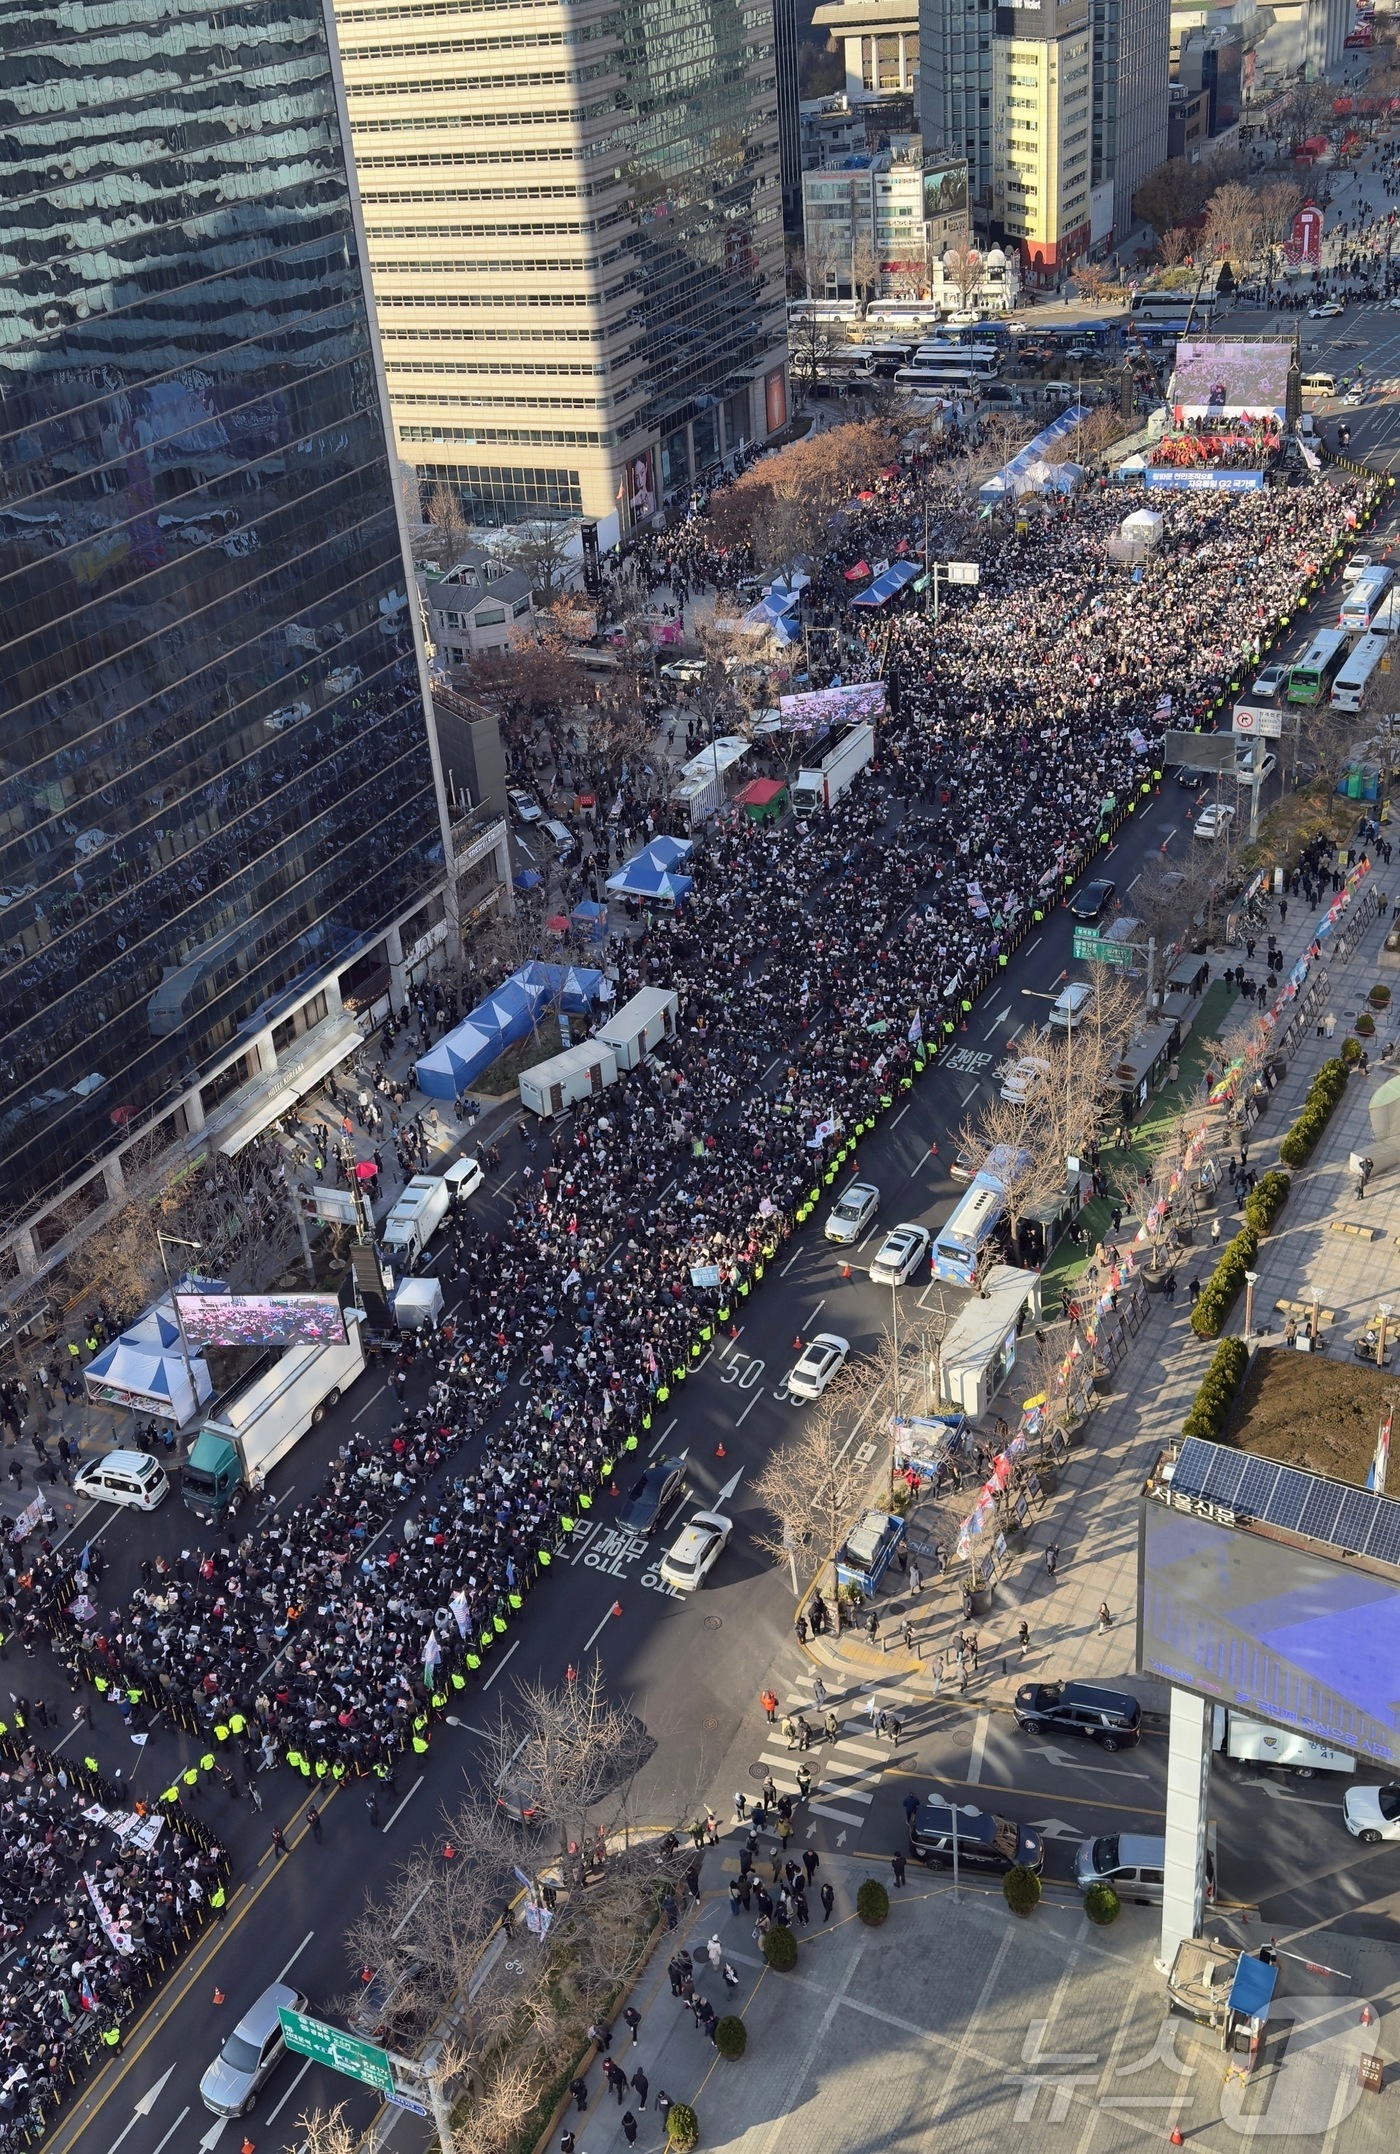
(178, 1241)
(1251, 1280)
(951, 572)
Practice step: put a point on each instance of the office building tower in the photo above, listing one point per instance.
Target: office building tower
(222, 819)
(574, 221)
(1043, 94)
(880, 43)
(785, 60)
(955, 88)
(1132, 44)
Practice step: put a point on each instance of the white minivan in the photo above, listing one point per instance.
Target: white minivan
(1071, 1004)
(128, 1477)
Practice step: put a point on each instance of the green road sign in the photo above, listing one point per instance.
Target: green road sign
(1102, 949)
(342, 2052)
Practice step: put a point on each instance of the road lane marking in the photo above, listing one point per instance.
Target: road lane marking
(297, 1954)
(172, 2131)
(409, 1796)
(749, 1408)
(979, 1744)
(498, 1667)
(815, 1314)
(273, 2114)
(601, 1627)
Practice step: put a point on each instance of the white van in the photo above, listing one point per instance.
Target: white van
(126, 1477)
(1071, 1004)
(1318, 385)
(560, 837)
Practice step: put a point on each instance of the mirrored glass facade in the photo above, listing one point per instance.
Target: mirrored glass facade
(215, 777)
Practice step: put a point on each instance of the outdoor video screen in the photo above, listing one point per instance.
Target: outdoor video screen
(1231, 380)
(1251, 1623)
(823, 707)
(945, 190)
(261, 1319)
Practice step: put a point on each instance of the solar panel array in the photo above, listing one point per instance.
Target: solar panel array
(1307, 1504)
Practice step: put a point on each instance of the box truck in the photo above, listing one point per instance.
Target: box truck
(551, 1087)
(640, 1025)
(1254, 1742)
(416, 1217)
(836, 773)
(253, 1426)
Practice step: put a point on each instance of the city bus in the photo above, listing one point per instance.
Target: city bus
(1167, 307)
(983, 359)
(1363, 600)
(960, 1241)
(1310, 679)
(1349, 688)
(940, 378)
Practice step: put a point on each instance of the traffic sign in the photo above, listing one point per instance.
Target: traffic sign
(406, 2101)
(1258, 719)
(1102, 949)
(332, 2046)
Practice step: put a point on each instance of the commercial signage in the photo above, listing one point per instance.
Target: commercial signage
(1258, 721)
(1167, 479)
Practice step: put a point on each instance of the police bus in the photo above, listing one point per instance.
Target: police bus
(1310, 679)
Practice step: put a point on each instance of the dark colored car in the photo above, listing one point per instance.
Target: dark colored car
(985, 1841)
(1088, 903)
(1110, 1718)
(652, 1496)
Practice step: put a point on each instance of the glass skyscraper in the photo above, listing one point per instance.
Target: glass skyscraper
(217, 784)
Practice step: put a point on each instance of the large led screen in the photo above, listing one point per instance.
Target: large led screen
(261, 1319)
(1231, 380)
(821, 707)
(1248, 1622)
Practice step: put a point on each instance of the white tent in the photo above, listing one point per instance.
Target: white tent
(144, 1371)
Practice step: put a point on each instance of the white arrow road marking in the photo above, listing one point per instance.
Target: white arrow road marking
(840, 1839)
(729, 1487)
(1278, 1794)
(811, 1832)
(1076, 1765)
(1055, 1828)
(173, 2129)
(215, 2133)
(143, 2108)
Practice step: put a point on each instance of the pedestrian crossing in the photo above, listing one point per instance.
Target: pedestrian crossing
(846, 1774)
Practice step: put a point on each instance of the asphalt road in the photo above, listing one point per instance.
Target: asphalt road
(692, 1667)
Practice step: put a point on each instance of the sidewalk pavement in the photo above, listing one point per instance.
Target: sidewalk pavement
(1092, 1516)
(958, 2019)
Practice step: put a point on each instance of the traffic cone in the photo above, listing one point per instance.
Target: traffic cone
(720, 1451)
(797, 1345)
(247, 2147)
(1174, 2137)
(449, 1852)
(612, 1488)
(845, 1271)
(366, 1974)
(218, 1997)
(616, 1609)
(570, 1673)
(733, 1331)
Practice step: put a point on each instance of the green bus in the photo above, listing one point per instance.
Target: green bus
(1310, 680)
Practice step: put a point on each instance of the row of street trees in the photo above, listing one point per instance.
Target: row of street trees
(1243, 224)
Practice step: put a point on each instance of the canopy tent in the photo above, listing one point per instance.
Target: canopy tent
(762, 799)
(589, 909)
(484, 1033)
(1013, 477)
(668, 852)
(527, 879)
(772, 616)
(644, 879)
(590, 920)
(887, 583)
(144, 1371)
(571, 987)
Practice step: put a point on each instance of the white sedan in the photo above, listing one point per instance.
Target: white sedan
(899, 1255)
(1214, 821)
(1372, 1814)
(822, 1358)
(852, 1213)
(1024, 1075)
(696, 1551)
(1326, 311)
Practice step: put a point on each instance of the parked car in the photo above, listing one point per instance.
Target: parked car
(1070, 1005)
(985, 1841)
(524, 806)
(899, 1255)
(1133, 1863)
(1214, 822)
(130, 1478)
(1268, 682)
(1091, 899)
(852, 1212)
(695, 1551)
(250, 2055)
(1024, 1074)
(1110, 1718)
(684, 670)
(1371, 1813)
(821, 1359)
(652, 1495)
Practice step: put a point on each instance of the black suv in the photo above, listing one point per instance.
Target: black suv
(1110, 1718)
(984, 1842)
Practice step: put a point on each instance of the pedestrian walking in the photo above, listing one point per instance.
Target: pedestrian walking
(1023, 1636)
(629, 2126)
(811, 1862)
(579, 2090)
(1105, 1619)
(641, 2087)
(313, 1819)
(916, 1578)
(372, 1805)
(632, 2018)
(741, 1806)
(663, 2105)
(601, 2033)
(818, 1693)
(897, 1865)
(828, 1902)
(279, 1840)
(768, 1699)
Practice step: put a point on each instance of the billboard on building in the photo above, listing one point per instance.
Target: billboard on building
(1219, 379)
(261, 1319)
(1303, 1640)
(945, 189)
(639, 478)
(824, 707)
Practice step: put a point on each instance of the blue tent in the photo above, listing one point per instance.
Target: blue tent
(528, 879)
(888, 581)
(667, 852)
(574, 988)
(458, 1059)
(644, 879)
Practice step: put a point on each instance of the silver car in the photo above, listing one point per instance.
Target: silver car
(250, 2055)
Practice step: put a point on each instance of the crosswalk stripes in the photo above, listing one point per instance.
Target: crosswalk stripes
(848, 1771)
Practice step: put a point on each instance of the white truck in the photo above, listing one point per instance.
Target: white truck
(416, 1217)
(257, 1423)
(836, 773)
(1255, 1742)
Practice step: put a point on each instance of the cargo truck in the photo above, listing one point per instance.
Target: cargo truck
(836, 773)
(416, 1216)
(1254, 1742)
(257, 1423)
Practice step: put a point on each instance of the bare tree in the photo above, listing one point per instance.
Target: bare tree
(1232, 221)
(449, 523)
(811, 1487)
(540, 550)
(865, 270)
(962, 268)
(1175, 246)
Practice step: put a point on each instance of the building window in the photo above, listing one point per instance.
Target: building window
(489, 616)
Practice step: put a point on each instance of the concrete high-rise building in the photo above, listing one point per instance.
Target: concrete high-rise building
(785, 58)
(955, 87)
(880, 42)
(1132, 46)
(574, 220)
(222, 815)
(1042, 86)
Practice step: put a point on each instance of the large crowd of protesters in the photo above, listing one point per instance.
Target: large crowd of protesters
(817, 966)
